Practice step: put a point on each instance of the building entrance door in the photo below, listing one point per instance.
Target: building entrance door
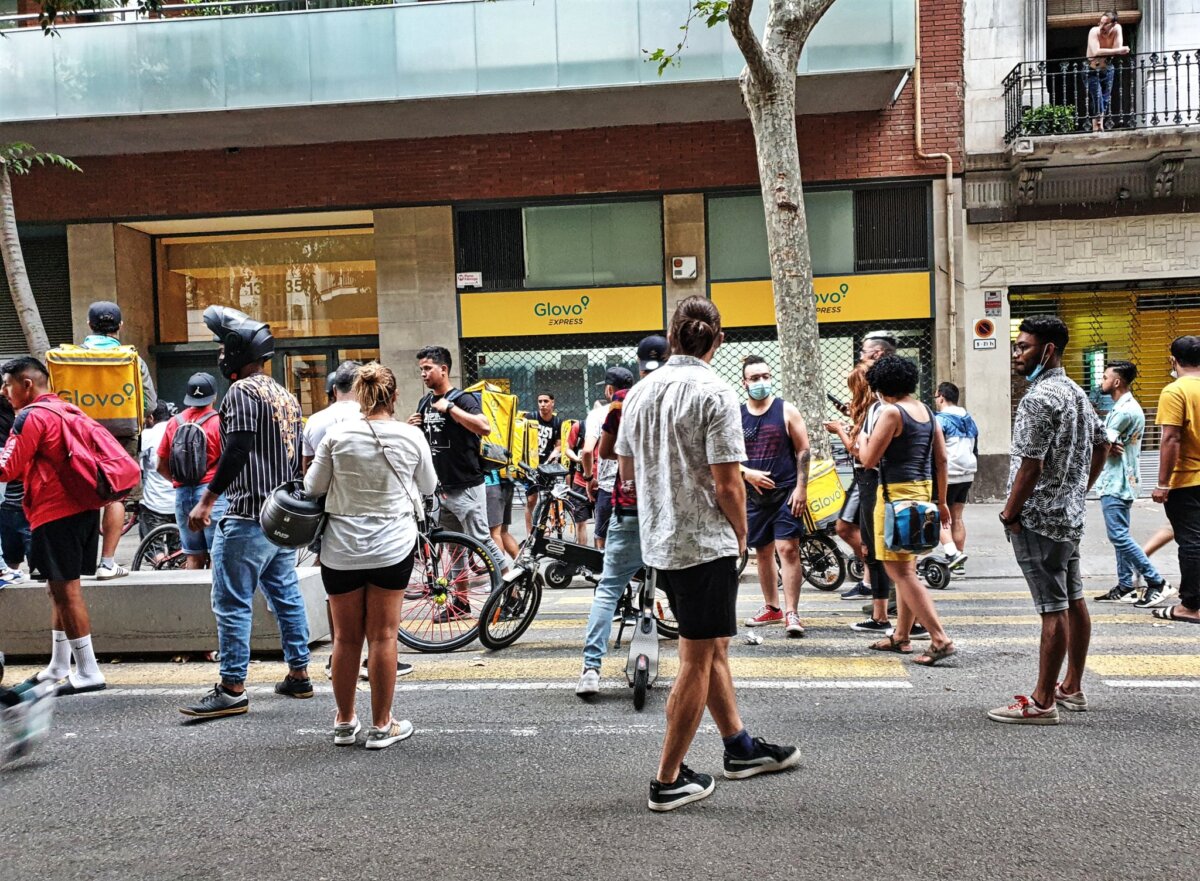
(305, 367)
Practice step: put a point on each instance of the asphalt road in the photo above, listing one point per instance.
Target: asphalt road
(511, 776)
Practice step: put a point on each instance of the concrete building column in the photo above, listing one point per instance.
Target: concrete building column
(109, 261)
(684, 236)
(949, 364)
(414, 271)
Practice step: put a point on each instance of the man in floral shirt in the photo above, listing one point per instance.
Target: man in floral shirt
(1058, 449)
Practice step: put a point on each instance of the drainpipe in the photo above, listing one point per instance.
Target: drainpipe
(949, 160)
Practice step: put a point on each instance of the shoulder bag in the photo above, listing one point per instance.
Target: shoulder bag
(911, 525)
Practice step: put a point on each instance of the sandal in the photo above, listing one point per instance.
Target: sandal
(891, 644)
(934, 655)
(1168, 614)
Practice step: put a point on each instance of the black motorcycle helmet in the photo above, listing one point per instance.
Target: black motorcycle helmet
(246, 341)
(290, 517)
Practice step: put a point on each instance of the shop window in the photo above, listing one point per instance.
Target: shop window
(737, 235)
(45, 253)
(891, 229)
(616, 243)
(312, 284)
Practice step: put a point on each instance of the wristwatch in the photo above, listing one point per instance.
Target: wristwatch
(1009, 522)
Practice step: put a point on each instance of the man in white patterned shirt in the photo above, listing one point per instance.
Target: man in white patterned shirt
(1058, 450)
(681, 440)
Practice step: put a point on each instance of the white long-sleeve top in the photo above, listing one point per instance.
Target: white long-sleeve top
(372, 522)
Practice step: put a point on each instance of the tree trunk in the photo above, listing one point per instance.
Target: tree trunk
(802, 382)
(18, 278)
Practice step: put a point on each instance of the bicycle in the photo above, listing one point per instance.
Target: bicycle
(161, 550)
(823, 561)
(452, 575)
(509, 612)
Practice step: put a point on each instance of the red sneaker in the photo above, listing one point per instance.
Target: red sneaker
(765, 615)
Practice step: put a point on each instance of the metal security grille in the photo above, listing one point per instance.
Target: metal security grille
(572, 366)
(1104, 326)
(50, 278)
(891, 228)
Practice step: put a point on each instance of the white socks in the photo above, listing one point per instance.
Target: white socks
(87, 671)
(951, 549)
(60, 659)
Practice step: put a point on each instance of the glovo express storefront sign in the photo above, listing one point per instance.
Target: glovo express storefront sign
(545, 313)
(882, 297)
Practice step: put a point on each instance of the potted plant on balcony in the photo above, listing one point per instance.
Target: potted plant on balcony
(1049, 119)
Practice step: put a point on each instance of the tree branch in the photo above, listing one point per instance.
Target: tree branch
(752, 50)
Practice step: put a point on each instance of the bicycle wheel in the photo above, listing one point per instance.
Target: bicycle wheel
(664, 615)
(453, 575)
(742, 561)
(509, 611)
(159, 550)
(824, 567)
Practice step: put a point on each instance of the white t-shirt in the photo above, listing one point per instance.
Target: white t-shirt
(606, 469)
(158, 494)
(319, 423)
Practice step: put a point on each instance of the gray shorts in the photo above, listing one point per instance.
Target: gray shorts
(465, 511)
(850, 506)
(1051, 569)
(499, 505)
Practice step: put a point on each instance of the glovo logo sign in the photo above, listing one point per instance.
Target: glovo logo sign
(545, 313)
(830, 302)
(91, 400)
(870, 297)
(819, 505)
(560, 314)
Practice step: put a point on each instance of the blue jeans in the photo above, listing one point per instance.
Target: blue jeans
(242, 561)
(15, 536)
(622, 560)
(186, 498)
(1130, 557)
(1099, 86)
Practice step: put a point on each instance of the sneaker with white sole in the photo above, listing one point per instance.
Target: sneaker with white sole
(793, 627)
(1075, 703)
(765, 615)
(1117, 594)
(765, 758)
(1157, 596)
(346, 733)
(394, 732)
(589, 683)
(688, 787)
(108, 573)
(1025, 712)
(860, 591)
(873, 626)
(1132, 598)
(10, 576)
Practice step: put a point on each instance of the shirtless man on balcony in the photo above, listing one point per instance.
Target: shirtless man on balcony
(1104, 41)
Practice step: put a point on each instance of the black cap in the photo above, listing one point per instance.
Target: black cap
(104, 317)
(652, 353)
(618, 377)
(201, 390)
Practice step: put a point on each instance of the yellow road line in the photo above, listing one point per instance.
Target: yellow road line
(1141, 666)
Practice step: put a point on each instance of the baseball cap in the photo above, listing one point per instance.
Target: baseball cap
(104, 317)
(618, 377)
(201, 390)
(652, 353)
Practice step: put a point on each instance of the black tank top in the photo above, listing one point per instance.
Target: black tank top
(908, 456)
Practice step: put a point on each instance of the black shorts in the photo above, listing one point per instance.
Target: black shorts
(394, 577)
(62, 550)
(956, 493)
(604, 509)
(704, 598)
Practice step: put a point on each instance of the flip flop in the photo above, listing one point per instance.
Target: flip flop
(67, 689)
(1168, 614)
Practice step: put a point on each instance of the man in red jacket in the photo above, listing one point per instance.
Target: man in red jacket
(66, 531)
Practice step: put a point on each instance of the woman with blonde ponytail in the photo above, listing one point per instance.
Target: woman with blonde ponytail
(373, 472)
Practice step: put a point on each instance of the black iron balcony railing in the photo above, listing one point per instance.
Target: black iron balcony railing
(1122, 92)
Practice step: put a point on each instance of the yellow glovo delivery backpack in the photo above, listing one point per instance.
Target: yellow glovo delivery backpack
(496, 447)
(106, 384)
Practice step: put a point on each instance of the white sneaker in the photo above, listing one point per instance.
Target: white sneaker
(1157, 597)
(382, 738)
(346, 733)
(108, 573)
(589, 683)
(10, 576)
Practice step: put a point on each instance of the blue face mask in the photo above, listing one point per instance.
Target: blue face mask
(759, 390)
(1037, 371)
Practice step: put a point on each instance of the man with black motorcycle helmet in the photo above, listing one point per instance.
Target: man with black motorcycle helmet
(261, 448)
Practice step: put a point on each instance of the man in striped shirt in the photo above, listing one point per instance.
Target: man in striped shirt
(261, 448)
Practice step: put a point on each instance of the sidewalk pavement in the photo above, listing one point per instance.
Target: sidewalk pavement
(992, 557)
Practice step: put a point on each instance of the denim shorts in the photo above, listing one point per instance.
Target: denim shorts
(1051, 570)
(195, 543)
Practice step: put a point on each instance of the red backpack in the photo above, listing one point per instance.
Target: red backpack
(98, 469)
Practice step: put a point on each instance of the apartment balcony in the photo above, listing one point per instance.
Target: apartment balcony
(413, 70)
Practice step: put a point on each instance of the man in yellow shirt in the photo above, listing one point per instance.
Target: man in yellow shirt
(1178, 486)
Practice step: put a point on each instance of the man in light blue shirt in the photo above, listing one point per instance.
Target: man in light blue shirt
(1118, 482)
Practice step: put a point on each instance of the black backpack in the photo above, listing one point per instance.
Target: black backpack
(189, 450)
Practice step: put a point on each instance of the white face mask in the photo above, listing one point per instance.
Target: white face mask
(1174, 373)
